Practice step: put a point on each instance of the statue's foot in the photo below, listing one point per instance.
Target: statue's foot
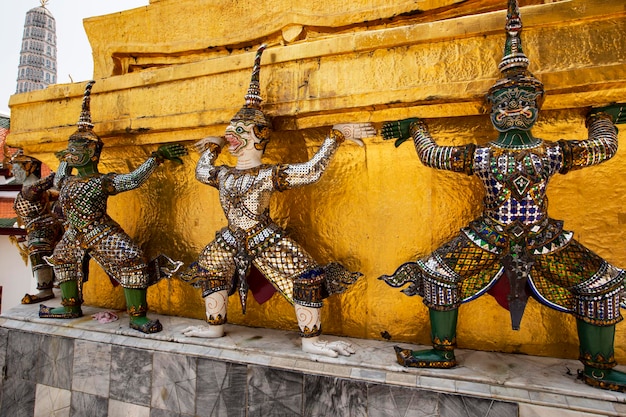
(37, 298)
(145, 325)
(430, 358)
(330, 349)
(59, 312)
(205, 331)
(608, 379)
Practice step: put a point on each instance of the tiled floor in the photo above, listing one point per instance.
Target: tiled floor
(265, 367)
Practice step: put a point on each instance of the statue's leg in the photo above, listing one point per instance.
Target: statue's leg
(309, 322)
(597, 354)
(301, 281)
(44, 276)
(216, 305)
(596, 287)
(214, 274)
(70, 300)
(438, 279)
(67, 261)
(307, 298)
(443, 336)
(123, 259)
(137, 308)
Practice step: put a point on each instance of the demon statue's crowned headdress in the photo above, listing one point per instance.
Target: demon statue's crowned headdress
(85, 126)
(20, 158)
(514, 63)
(31, 165)
(251, 111)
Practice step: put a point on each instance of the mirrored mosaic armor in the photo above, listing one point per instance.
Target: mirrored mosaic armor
(252, 238)
(515, 233)
(89, 229)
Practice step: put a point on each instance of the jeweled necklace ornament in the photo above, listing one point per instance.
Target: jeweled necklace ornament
(253, 252)
(514, 249)
(91, 233)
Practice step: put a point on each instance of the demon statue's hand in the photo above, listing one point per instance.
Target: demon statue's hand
(203, 144)
(356, 131)
(172, 151)
(46, 182)
(34, 191)
(399, 130)
(617, 112)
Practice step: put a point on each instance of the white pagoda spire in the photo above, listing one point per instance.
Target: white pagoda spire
(38, 57)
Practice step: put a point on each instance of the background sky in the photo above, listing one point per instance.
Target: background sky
(73, 49)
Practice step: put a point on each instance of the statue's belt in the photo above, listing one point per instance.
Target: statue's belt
(94, 232)
(252, 241)
(538, 238)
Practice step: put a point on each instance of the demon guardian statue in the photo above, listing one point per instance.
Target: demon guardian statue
(252, 238)
(91, 233)
(514, 240)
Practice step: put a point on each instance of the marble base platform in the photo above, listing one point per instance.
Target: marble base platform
(81, 367)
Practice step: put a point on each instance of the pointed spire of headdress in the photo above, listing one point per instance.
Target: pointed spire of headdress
(85, 126)
(251, 110)
(514, 56)
(84, 121)
(253, 98)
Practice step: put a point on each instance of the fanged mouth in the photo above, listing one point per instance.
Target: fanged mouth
(512, 113)
(73, 158)
(234, 142)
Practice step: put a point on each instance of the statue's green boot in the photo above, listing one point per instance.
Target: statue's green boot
(443, 336)
(137, 307)
(70, 300)
(597, 354)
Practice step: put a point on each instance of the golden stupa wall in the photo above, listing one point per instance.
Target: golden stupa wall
(177, 70)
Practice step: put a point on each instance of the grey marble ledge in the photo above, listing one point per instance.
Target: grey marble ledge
(523, 379)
